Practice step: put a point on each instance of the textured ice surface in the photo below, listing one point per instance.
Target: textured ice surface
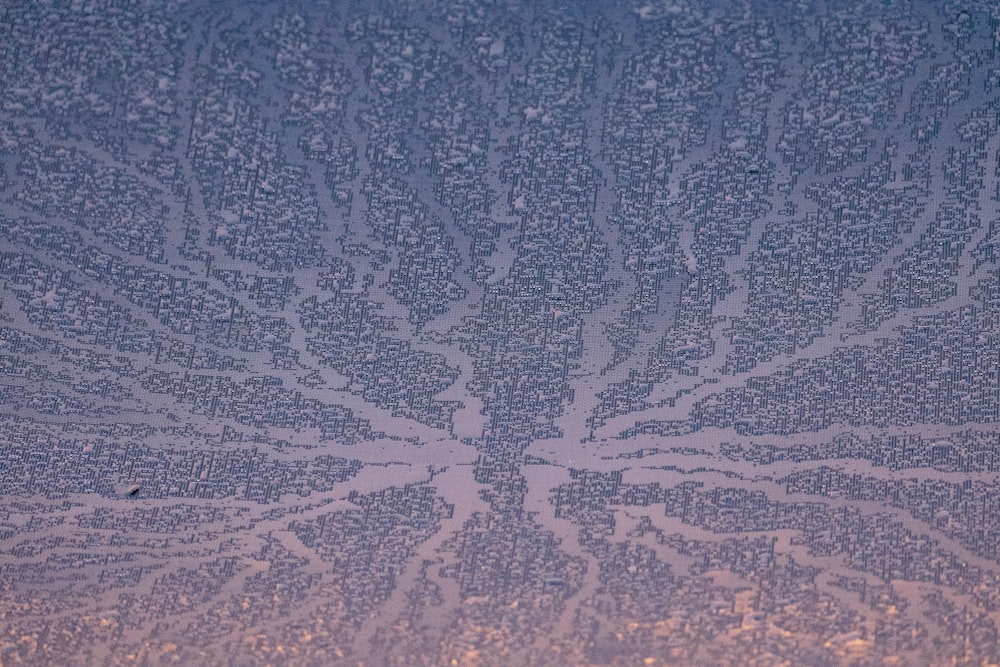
(499, 333)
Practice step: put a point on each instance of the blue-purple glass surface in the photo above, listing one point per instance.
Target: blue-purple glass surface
(472, 332)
